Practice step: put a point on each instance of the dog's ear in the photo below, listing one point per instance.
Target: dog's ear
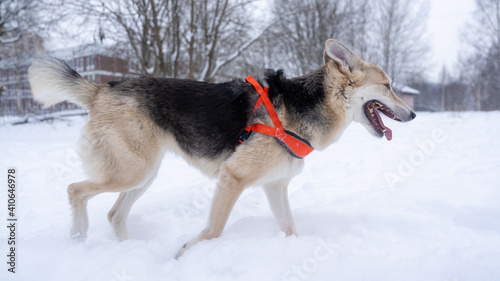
(345, 59)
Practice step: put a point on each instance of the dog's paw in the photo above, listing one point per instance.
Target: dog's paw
(78, 236)
(181, 251)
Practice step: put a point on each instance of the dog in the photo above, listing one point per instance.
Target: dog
(134, 122)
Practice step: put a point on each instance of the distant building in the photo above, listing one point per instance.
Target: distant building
(406, 93)
(94, 62)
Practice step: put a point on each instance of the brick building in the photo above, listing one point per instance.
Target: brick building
(94, 62)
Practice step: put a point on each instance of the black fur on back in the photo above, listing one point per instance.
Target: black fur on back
(300, 95)
(206, 119)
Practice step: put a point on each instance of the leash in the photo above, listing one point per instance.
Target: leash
(295, 145)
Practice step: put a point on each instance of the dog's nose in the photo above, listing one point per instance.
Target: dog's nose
(413, 115)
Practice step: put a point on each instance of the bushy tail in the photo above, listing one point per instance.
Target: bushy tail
(53, 81)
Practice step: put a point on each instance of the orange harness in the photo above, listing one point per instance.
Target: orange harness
(295, 145)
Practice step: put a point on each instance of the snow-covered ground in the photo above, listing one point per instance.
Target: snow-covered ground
(424, 206)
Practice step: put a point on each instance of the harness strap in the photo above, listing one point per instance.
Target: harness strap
(295, 145)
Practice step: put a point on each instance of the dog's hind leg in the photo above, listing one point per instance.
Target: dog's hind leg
(78, 197)
(119, 172)
(79, 194)
(277, 195)
(118, 215)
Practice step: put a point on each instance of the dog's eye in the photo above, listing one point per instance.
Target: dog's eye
(388, 86)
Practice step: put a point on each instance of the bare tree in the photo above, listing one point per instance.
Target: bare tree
(146, 26)
(399, 32)
(176, 38)
(480, 65)
(20, 22)
(484, 31)
(296, 42)
(304, 26)
(359, 22)
(16, 16)
(21, 17)
(225, 35)
(444, 78)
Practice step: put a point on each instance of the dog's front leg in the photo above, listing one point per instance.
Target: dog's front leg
(277, 195)
(229, 189)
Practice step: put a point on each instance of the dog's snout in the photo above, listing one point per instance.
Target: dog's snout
(413, 115)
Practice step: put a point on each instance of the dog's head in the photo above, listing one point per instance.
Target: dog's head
(366, 88)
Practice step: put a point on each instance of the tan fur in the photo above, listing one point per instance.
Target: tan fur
(48, 86)
(118, 156)
(124, 156)
(335, 106)
(114, 150)
(122, 147)
(274, 171)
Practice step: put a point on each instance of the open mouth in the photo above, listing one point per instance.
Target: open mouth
(371, 111)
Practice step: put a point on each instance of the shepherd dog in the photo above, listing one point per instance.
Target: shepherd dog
(134, 122)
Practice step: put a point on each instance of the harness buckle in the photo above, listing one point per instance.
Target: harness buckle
(244, 136)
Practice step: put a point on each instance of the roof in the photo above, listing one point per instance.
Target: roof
(401, 88)
(66, 54)
(81, 51)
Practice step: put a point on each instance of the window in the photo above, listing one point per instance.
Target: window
(90, 63)
(79, 64)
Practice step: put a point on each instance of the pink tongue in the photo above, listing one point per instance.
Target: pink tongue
(388, 132)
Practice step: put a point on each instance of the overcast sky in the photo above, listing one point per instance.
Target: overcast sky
(446, 19)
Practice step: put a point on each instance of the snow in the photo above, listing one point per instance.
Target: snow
(405, 89)
(424, 206)
(410, 90)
